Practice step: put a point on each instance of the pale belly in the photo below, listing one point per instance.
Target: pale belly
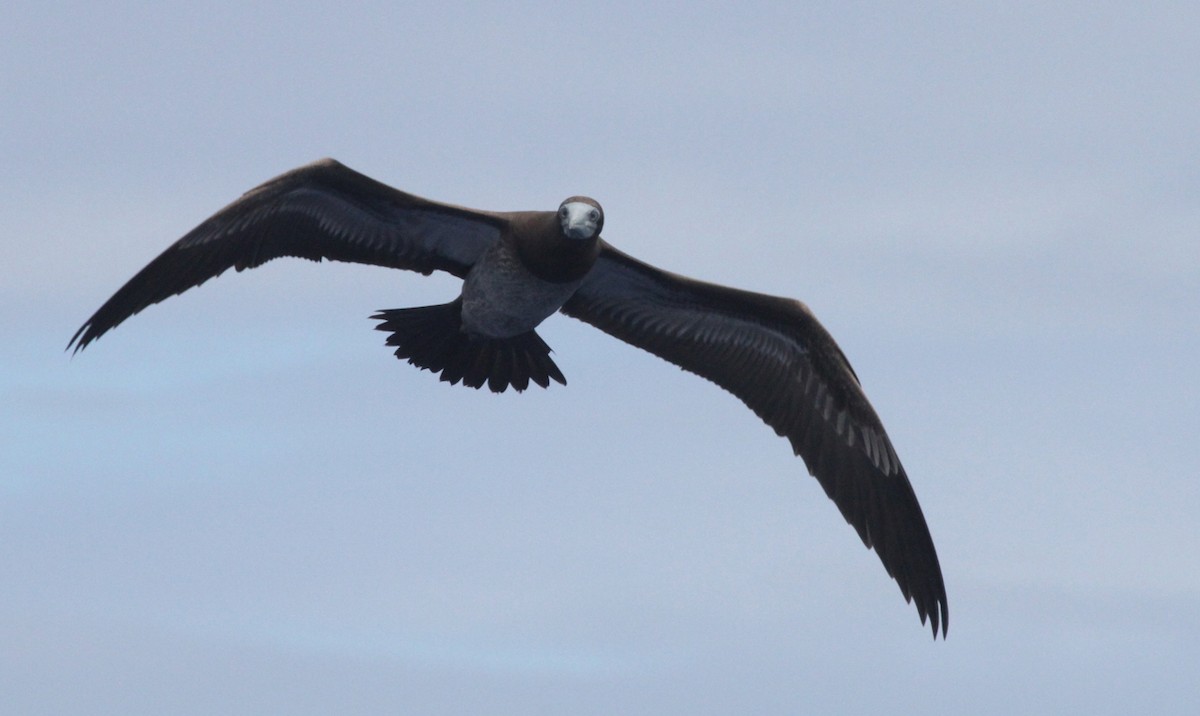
(501, 298)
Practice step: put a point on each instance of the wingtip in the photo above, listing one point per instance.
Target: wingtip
(938, 616)
(945, 626)
(78, 341)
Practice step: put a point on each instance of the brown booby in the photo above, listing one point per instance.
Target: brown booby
(518, 268)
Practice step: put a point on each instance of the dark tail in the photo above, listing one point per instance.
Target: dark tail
(431, 337)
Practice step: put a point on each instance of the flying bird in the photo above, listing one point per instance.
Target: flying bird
(519, 268)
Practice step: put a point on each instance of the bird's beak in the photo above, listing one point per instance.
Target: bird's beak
(581, 229)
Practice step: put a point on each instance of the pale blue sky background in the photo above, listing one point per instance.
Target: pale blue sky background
(240, 503)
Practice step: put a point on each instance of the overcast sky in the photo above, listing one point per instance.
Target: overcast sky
(239, 502)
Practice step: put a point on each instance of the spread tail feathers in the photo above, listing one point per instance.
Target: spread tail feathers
(431, 337)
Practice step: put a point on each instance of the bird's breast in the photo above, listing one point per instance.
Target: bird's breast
(502, 298)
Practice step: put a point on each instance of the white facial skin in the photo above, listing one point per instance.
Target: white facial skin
(579, 220)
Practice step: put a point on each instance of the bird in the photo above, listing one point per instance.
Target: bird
(518, 269)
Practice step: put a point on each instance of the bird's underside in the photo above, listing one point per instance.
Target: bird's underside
(770, 352)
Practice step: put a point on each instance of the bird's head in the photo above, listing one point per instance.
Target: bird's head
(581, 218)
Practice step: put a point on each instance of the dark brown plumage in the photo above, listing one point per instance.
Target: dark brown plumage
(518, 268)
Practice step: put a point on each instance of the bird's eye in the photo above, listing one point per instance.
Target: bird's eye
(594, 215)
(562, 211)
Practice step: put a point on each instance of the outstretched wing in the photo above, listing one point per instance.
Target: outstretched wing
(773, 354)
(323, 210)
